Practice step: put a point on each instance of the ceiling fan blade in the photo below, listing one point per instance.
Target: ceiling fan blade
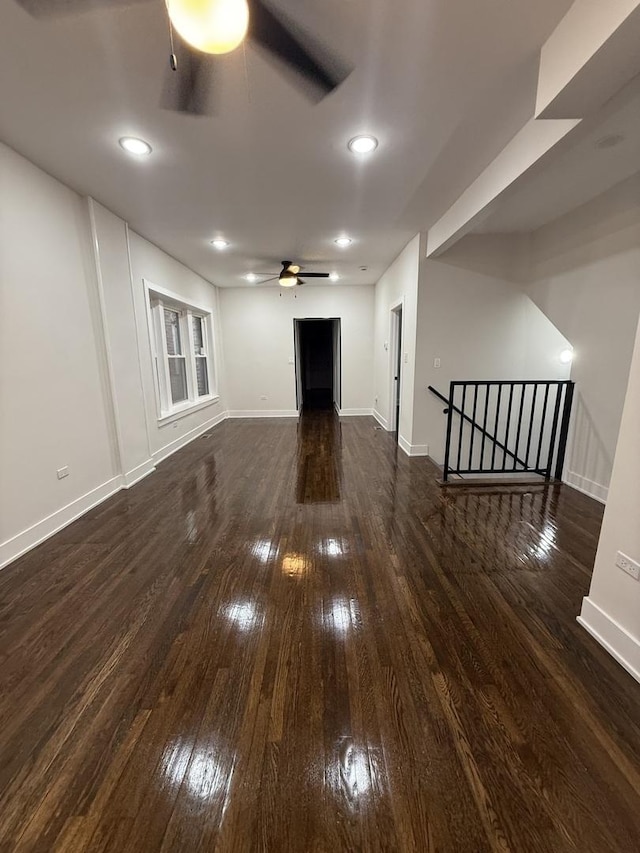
(187, 89)
(273, 278)
(270, 31)
(317, 274)
(55, 8)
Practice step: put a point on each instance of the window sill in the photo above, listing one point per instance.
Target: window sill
(187, 409)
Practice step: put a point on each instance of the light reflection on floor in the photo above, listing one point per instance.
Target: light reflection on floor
(546, 544)
(295, 565)
(264, 550)
(332, 547)
(339, 617)
(349, 774)
(243, 614)
(197, 770)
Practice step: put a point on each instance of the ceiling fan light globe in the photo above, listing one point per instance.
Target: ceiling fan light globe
(212, 26)
(288, 280)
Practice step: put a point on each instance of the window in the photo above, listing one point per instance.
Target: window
(176, 360)
(181, 338)
(200, 355)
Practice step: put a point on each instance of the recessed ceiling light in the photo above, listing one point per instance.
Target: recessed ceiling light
(343, 242)
(364, 144)
(132, 145)
(251, 276)
(334, 276)
(219, 244)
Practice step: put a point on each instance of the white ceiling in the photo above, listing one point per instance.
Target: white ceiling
(440, 83)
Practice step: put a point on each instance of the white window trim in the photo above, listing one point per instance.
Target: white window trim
(156, 300)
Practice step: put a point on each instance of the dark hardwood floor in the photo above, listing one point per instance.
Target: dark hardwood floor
(290, 638)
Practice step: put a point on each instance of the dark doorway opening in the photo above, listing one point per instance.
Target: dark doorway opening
(396, 367)
(318, 363)
(398, 370)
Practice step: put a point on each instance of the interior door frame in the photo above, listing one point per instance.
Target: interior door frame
(297, 363)
(336, 333)
(396, 335)
(336, 323)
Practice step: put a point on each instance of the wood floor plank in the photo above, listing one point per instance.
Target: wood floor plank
(291, 638)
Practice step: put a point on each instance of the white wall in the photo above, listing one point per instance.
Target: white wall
(54, 402)
(150, 263)
(76, 382)
(585, 275)
(111, 245)
(480, 325)
(398, 284)
(257, 327)
(612, 610)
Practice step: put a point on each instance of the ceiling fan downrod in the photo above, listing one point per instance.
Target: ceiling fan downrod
(173, 59)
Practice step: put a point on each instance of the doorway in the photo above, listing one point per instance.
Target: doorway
(317, 347)
(396, 368)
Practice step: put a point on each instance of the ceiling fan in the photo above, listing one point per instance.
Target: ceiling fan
(289, 275)
(192, 63)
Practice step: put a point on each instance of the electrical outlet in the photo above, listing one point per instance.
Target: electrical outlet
(61, 473)
(628, 565)
(436, 362)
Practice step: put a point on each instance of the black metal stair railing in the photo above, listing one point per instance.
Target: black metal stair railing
(506, 427)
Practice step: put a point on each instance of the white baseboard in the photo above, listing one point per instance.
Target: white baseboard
(263, 413)
(409, 449)
(187, 437)
(620, 644)
(413, 449)
(404, 444)
(587, 487)
(384, 423)
(138, 473)
(355, 413)
(41, 530)
(419, 450)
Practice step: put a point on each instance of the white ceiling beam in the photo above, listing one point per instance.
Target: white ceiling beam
(526, 149)
(591, 55)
